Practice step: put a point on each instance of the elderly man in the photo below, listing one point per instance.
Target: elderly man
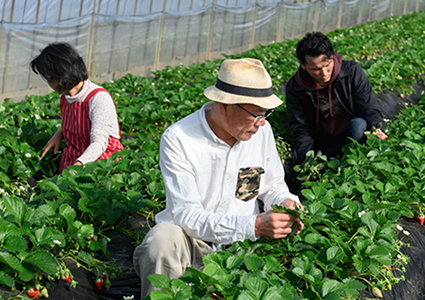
(329, 99)
(216, 163)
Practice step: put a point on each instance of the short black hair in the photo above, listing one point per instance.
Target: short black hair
(62, 63)
(314, 44)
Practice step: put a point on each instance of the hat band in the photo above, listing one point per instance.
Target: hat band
(243, 91)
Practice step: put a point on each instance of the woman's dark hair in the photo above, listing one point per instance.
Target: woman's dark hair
(314, 44)
(62, 63)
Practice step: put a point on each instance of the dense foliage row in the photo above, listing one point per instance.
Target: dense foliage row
(45, 218)
(350, 240)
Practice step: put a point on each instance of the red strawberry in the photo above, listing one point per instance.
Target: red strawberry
(104, 276)
(99, 283)
(421, 219)
(33, 293)
(67, 279)
(389, 268)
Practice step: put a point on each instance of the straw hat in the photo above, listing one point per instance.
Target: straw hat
(243, 81)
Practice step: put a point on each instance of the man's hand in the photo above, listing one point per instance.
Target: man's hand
(55, 142)
(381, 135)
(277, 225)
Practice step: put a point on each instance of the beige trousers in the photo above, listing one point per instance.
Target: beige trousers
(167, 250)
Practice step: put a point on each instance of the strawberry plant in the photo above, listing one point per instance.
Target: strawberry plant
(352, 236)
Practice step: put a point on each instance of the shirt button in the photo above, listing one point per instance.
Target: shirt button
(223, 202)
(228, 178)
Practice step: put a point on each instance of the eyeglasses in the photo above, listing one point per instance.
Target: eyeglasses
(258, 118)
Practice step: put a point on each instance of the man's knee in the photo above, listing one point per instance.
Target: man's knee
(357, 128)
(163, 241)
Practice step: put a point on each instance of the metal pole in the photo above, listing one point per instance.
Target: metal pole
(60, 10)
(131, 39)
(150, 8)
(7, 49)
(114, 31)
(12, 12)
(392, 8)
(279, 21)
(316, 16)
(178, 5)
(405, 7)
(377, 11)
(253, 24)
(34, 40)
(81, 7)
(118, 8)
(341, 2)
(211, 31)
(89, 63)
(38, 11)
(1, 29)
(135, 7)
(161, 28)
(359, 20)
(417, 5)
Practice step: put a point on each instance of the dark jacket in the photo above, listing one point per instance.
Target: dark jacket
(353, 91)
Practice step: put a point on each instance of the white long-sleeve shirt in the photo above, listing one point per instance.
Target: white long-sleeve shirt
(201, 173)
(103, 117)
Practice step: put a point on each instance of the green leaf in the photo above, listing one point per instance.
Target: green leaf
(247, 295)
(253, 262)
(160, 281)
(157, 295)
(86, 257)
(15, 244)
(313, 238)
(11, 261)
(43, 260)
(308, 194)
(16, 207)
(257, 286)
(47, 184)
(6, 279)
(68, 212)
(334, 255)
(7, 230)
(28, 272)
(233, 262)
(329, 286)
(272, 265)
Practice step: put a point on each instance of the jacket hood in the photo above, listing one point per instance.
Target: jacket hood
(304, 79)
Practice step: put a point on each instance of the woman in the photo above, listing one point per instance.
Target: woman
(89, 117)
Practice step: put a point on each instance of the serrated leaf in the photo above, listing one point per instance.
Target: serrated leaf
(157, 295)
(6, 279)
(256, 285)
(47, 184)
(7, 229)
(16, 207)
(160, 281)
(253, 262)
(15, 244)
(11, 261)
(329, 286)
(234, 262)
(44, 260)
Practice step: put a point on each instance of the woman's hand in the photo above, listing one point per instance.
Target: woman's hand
(54, 142)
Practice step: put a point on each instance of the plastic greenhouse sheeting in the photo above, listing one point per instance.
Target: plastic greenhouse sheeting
(141, 36)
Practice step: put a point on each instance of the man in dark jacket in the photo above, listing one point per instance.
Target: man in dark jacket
(329, 99)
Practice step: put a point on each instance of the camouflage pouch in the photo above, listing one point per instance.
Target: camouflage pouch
(248, 183)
